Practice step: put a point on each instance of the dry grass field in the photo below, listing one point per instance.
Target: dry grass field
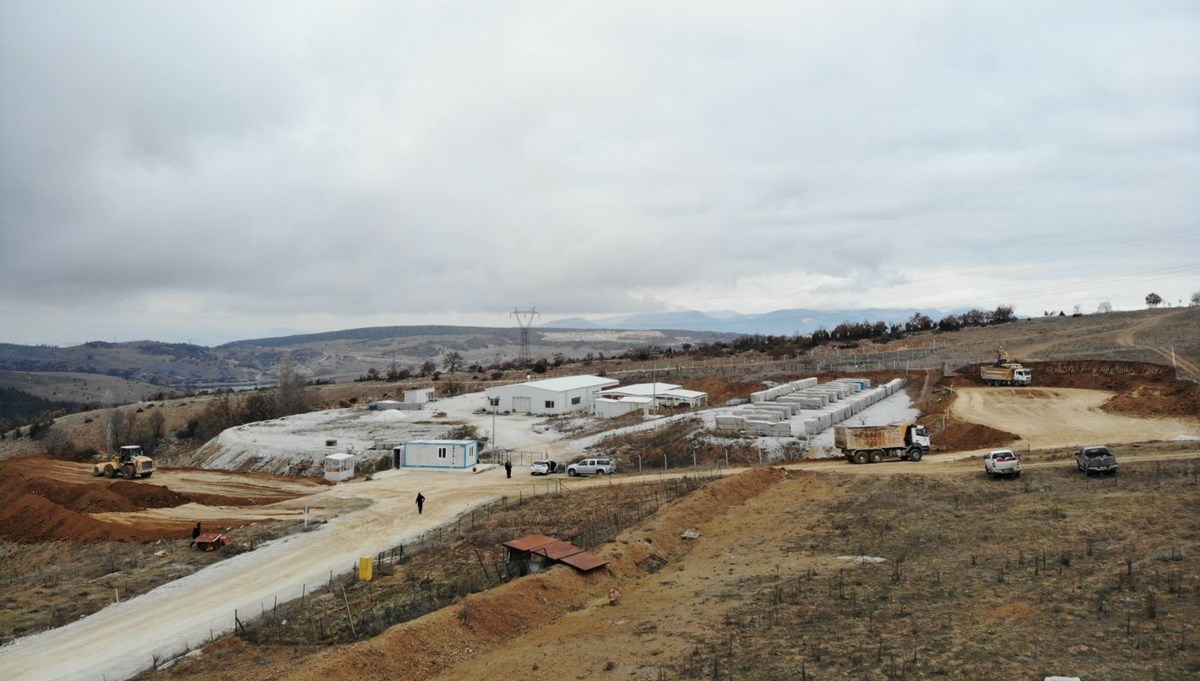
(1053, 573)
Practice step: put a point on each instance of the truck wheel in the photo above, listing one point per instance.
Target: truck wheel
(860, 456)
(876, 455)
(127, 471)
(915, 455)
(108, 470)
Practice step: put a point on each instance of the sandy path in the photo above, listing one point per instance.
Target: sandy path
(1062, 417)
(121, 640)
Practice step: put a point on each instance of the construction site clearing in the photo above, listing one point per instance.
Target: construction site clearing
(47, 507)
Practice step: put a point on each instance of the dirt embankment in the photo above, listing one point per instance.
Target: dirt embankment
(37, 505)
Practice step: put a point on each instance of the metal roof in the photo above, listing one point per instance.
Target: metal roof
(563, 383)
(530, 542)
(584, 561)
(643, 389)
(557, 550)
(686, 394)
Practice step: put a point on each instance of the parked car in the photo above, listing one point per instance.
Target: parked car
(1002, 462)
(544, 467)
(592, 467)
(1096, 459)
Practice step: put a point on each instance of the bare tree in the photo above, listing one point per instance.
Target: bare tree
(158, 424)
(452, 362)
(293, 397)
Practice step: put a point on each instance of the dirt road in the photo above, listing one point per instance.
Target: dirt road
(123, 639)
(1062, 417)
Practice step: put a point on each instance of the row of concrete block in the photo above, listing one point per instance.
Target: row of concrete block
(854, 405)
(771, 394)
(772, 418)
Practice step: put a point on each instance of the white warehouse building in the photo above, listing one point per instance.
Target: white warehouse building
(549, 396)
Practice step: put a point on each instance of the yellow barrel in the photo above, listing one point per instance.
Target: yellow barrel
(365, 568)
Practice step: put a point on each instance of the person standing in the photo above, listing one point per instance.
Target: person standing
(195, 534)
(508, 468)
(420, 503)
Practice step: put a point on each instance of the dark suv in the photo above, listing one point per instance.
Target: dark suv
(1096, 460)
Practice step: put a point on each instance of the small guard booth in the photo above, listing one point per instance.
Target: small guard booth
(339, 467)
(449, 454)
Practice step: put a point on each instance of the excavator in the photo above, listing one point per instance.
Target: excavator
(129, 462)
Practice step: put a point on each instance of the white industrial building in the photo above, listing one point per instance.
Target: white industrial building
(609, 407)
(455, 454)
(549, 396)
(664, 394)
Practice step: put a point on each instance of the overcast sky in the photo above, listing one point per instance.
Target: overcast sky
(221, 170)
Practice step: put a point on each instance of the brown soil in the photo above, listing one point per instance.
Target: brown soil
(763, 594)
(1142, 389)
(44, 500)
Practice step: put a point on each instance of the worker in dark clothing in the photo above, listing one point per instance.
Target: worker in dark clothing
(195, 533)
(420, 503)
(508, 468)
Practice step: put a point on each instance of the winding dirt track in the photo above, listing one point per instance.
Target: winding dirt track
(123, 639)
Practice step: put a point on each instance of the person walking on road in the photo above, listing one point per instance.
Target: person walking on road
(420, 503)
(195, 533)
(508, 468)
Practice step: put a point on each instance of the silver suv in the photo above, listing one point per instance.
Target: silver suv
(592, 467)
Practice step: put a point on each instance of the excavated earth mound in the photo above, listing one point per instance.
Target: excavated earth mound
(35, 507)
(1142, 389)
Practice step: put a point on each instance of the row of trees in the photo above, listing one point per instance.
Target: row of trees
(1153, 300)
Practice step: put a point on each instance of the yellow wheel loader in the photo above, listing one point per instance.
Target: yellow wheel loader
(129, 462)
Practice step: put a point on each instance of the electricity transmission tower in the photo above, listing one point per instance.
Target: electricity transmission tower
(524, 320)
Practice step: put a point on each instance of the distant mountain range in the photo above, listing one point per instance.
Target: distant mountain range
(777, 323)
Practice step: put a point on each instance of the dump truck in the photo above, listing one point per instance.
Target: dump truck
(129, 462)
(860, 444)
(1005, 371)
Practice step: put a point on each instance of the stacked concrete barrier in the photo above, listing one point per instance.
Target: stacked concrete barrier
(760, 414)
(771, 394)
(730, 423)
(784, 408)
(760, 427)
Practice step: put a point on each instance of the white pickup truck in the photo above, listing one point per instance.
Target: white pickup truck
(1002, 462)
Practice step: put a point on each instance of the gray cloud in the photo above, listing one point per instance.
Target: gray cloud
(219, 170)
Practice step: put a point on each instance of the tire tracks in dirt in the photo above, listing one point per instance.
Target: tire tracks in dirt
(1127, 337)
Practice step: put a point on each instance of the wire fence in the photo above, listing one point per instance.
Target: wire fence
(441, 565)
